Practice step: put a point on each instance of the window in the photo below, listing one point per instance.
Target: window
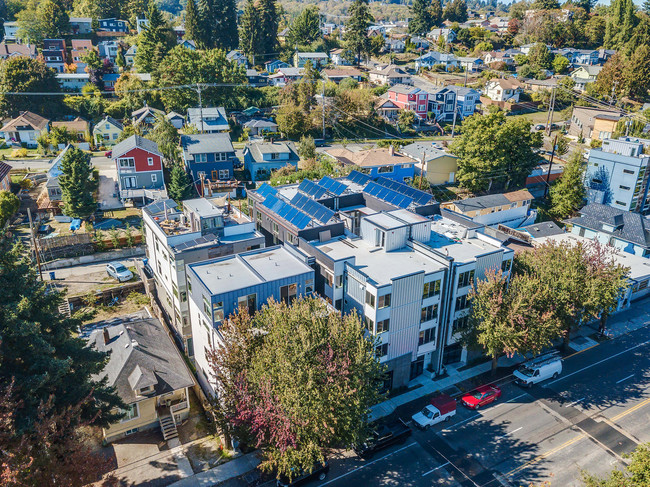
(462, 302)
(200, 158)
(381, 350)
(275, 155)
(620, 203)
(206, 305)
(108, 126)
(459, 323)
(383, 325)
(465, 279)
(643, 284)
(189, 287)
(429, 313)
(131, 412)
(370, 299)
(221, 157)
(383, 301)
(126, 162)
(115, 136)
(505, 265)
(597, 181)
(289, 293)
(154, 178)
(217, 312)
(624, 188)
(427, 336)
(224, 174)
(249, 302)
(431, 289)
(150, 161)
(370, 325)
(385, 169)
(628, 171)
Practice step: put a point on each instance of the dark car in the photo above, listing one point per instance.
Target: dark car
(319, 472)
(540, 126)
(481, 396)
(382, 437)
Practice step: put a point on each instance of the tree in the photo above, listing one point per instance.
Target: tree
(166, 136)
(307, 148)
(435, 11)
(637, 473)
(585, 279)
(406, 120)
(250, 39)
(540, 56)
(455, 11)
(610, 80)
(620, 24)
(90, 105)
(546, 5)
(513, 26)
(42, 20)
(23, 74)
(291, 121)
(224, 26)
(269, 21)
(154, 42)
(568, 193)
(9, 205)
(330, 365)
(132, 9)
(193, 27)
(595, 30)
(305, 28)
(492, 149)
(76, 184)
(356, 29)
(421, 20)
(509, 316)
(560, 64)
(637, 73)
(180, 185)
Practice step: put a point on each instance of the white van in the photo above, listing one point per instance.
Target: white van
(547, 366)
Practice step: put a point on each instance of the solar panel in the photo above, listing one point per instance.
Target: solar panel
(273, 203)
(265, 190)
(420, 197)
(312, 189)
(332, 185)
(313, 208)
(388, 195)
(358, 177)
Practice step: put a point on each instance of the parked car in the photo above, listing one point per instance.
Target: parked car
(383, 437)
(118, 271)
(540, 126)
(547, 366)
(318, 472)
(108, 153)
(442, 408)
(481, 396)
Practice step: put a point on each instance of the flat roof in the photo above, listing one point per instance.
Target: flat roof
(451, 239)
(203, 207)
(385, 221)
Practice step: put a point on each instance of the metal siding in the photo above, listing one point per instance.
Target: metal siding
(405, 315)
(356, 287)
(485, 262)
(421, 232)
(396, 239)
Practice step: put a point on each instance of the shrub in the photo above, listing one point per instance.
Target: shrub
(19, 153)
(114, 234)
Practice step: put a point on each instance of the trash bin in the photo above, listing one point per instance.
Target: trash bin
(52, 275)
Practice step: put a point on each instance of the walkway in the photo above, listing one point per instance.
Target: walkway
(221, 473)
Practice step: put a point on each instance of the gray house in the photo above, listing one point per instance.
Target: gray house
(208, 120)
(261, 158)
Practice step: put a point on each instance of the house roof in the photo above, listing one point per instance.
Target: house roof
(628, 226)
(198, 117)
(26, 119)
(7, 50)
(258, 149)
(76, 125)
(341, 72)
(139, 115)
(259, 122)
(370, 158)
(590, 70)
(110, 120)
(543, 229)
(459, 90)
(4, 170)
(206, 143)
(313, 54)
(141, 355)
(506, 83)
(417, 150)
(491, 200)
(391, 71)
(172, 115)
(81, 44)
(404, 89)
(135, 142)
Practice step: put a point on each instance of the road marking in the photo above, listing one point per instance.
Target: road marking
(600, 362)
(547, 454)
(631, 410)
(508, 434)
(463, 421)
(574, 402)
(437, 468)
(370, 463)
(517, 397)
(624, 379)
(479, 415)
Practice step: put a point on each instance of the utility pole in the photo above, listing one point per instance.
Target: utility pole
(550, 165)
(323, 102)
(34, 243)
(612, 98)
(198, 88)
(466, 71)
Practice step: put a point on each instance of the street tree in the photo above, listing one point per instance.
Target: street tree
(307, 148)
(568, 193)
(636, 473)
(9, 205)
(77, 184)
(560, 64)
(23, 75)
(180, 185)
(356, 28)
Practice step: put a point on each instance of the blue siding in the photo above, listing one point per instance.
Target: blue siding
(267, 166)
(208, 167)
(399, 173)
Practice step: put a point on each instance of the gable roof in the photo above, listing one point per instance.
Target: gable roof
(506, 83)
(4, 170)
(139, 115)
(371, 157)
(628, 226)
(417, 150)
(110, 120)
(135, 142)
(76, 125)
(206, 143)
(390, 71)
(492, 200)
(258, 149)
(404, 89)
(26, 120)
(198, 117)
(8, 50)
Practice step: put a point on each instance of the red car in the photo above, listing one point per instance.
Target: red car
(108, 153)
(481, 396)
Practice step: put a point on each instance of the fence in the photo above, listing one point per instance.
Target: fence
(66, 246)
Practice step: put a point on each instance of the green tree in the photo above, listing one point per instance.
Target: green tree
(620, 24)
(493, 149)
(23, 74)
(455, 11)
(42, 20)
(546, 5)
(132, 9)
(307, 148)
(637, 74)
(305, 28)
(610, 79)
(120, 60)
(323, 355)
(568, 193)
(435, 11)
(406, 120)
(636, 474)
(356, 29)
(540, 56)
(61, 136)
(292, 121)
(76, 184)
(560, 64)
(595, 30)
(166, 136)
(154, 42)
(269, 20)
(90, 105)
(193, 28)
(9, 205)
(250, 39)
(421, 20)
(180, 185)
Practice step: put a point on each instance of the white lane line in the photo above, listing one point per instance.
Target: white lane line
(479, 415)
(624, 379)
(508, 434)
(574, 402)
(370, 463)
(517, 397)
(599, 362)
(462, 422)
(437, 468)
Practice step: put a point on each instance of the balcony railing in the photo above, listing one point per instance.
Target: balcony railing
(174, 408)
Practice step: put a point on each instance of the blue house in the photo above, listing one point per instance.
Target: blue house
(378, 162)
(260, 158)
(273, 66)
(113, 25)
(210, 156)
(217, 288)
(434, 58)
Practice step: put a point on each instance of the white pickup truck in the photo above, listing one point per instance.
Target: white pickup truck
(442, 408)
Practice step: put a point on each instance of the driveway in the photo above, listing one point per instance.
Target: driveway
(107, 198)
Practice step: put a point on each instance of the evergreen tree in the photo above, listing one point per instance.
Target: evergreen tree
(646, 6)
(154, 42)
(305, 28)
(166, 136)
(568, 193)
(120, 60)
(546, 5)
(250, 33)
(455, 11)
(208, 23)
(637, 74)
(420, 21)
(23, 74)
(9, 205)
(620, 24)
(180, 185)
(134, 9)
(225, 35)
(435, 11)
(76, 184)
(269, 21)
(193, 29)
(356, 28)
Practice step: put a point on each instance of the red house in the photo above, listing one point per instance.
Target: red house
(139, 168)
(410, 98)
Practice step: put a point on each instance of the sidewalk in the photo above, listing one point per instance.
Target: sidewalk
(221, 473)
(637, 316)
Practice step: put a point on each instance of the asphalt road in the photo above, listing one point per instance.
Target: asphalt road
(597, 411)
(45, 164)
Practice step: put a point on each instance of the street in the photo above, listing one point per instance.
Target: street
(587, 419)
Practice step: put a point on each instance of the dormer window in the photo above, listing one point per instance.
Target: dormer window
(145, 390)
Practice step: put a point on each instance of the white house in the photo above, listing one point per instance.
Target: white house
(435, 58)
(504, 90)
(26, 128)
(448, 34)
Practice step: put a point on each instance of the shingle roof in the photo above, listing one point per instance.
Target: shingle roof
(206, 143)
(7, 50)
(417, 149)
(110, 120)
(200, 116)
(26, 119)
(4, 170)
(404, 89)
(628, 226)
(257, 149)
(76, 125)
(491, 200)
(135, 141)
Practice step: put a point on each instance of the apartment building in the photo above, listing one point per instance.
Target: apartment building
(509, 209)
(204, 229)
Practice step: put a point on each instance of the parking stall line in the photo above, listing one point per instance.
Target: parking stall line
(625, 378)
(434, 469)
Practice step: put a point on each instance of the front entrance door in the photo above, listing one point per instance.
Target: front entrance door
(417, 367)
(130, 182)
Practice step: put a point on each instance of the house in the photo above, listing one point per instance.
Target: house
(52, 196)
(14, 50)
(389, 75)
(80, 49)
(25, 129)
(451, 100)
(79, 127)
(440, 167)
(237, 57)
(617, 175)
(261, 158)
(627, 231)
(188, 44)
(338, 57)
(541, 229)
(179, 32)
(54, 53)
(508, 89)
(129, 55)
(435, 58)
(256, 79)
(283, 76)
(217, 288)
(259, 126)
(536, 85)
(108, 50)
(139, 168)
(339, 74)
(317, 59)
(394, 45)
(73, 82)
(176, 119)
(471, 64)
(499, 57)
(110, 80)
(81, 25)
(107, 131)
(589, 57)
(5, 179)
(141, 24)
(604, 55)
(208, 120)
(410, 98)
(420, 43)
(378, 162)
(11, 31)
(209, 156)
(448, 34)
(146, 117)
(593, 123)
(146, 370)
(272, 66)
(387, 109)
(113, 25)
(509, 209)
(204, 229)
(584, 75)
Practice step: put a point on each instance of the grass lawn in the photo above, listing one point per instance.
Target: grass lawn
(31, 153)
(537, 117)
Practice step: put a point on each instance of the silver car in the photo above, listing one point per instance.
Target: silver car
(118, 271)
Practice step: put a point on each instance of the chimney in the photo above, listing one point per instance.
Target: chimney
(391, 150)
(107, 337)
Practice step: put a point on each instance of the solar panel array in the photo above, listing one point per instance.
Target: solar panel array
(332, 185)
(312, 189)
(265, 190)
(358, 177)
(284, 210)
(420, 197)
(313, 208)
(388, 195)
